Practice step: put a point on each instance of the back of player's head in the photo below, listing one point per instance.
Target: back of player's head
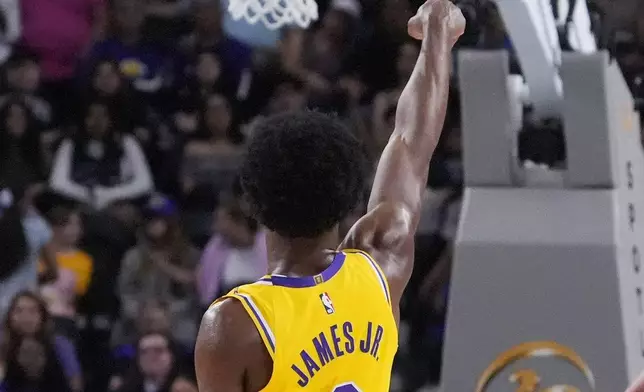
(304, 172)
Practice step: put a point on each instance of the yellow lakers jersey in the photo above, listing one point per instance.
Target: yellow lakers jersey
(332, 332)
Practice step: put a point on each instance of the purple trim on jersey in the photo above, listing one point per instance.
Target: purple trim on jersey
(260, 320)
(310, 281)
(383, 281)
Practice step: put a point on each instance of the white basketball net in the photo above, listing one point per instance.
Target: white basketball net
(275, 13)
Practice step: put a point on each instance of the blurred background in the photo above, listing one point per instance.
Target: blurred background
(122, 124)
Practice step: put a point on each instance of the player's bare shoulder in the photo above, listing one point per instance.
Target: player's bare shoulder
(229, 352)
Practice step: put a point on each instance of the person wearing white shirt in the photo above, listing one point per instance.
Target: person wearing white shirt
(100, 166)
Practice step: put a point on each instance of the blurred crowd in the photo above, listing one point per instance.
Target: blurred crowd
(122, 124)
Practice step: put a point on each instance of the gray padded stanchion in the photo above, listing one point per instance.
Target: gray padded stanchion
(547, 283)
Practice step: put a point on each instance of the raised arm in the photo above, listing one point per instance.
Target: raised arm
(638, 386)
(387, 231)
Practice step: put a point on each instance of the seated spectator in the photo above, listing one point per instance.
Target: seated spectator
(134, 117)
(161, 267)
(204, 79)
(235, 255)
(11, 28)
(167, 20)
(108, 83)
(32, 365)
(24, 236)
(100, 166)
(23, 81)
(27, 318)
(289, 95)
(210, 162)
(377, 47)
(21, 156)
(153, 317)
(155, 368)
(145, 64)
(630, 54)
(319, 57)
(75, 269)
(209, 35)
(58, 33)
(14, 248)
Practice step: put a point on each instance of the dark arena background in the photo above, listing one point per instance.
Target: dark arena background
(123, 124)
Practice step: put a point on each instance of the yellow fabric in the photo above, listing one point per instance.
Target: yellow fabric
(348, 346)
(80, 263)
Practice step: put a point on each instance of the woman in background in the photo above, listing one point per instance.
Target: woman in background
(156, 365)
(211, 160)
(75, 268)
(161, 267)
(32, 366)
(235, 255)
(21, 155)
(101, 166)
(27, 318)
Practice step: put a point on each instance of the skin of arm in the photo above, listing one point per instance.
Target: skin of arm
(387, 231)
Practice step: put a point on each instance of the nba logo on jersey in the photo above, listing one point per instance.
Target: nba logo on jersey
(326, 302)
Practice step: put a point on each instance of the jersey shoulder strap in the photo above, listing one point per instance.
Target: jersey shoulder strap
(373, 265)
(259, 311)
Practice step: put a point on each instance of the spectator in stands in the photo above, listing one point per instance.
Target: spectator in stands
(23, 81)
(59, 33)
(319, 57)
(32, 366)
(108, 83)
(75, 269)
(24, 237)
(14, 247)
(211, 160)
(209, 35)
(289, 95)
(21, 155)
(27, 318)
(142, 62)
(235, 255)
(152, 317)
(378, 45)
(100, 166)
(11, 27)
(493, 33)
(161, 267)
(168, 20)
(156, 365)
(204, 79)
(630, 53)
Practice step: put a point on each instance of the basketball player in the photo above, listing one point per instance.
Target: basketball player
(326, 320)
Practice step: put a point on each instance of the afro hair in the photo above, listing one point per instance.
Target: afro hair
(304, 172)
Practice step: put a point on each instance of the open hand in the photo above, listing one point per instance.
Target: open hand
(437, 16)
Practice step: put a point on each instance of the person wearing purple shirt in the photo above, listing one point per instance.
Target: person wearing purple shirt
(146, 64)
(209, 34)
(235, 255)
